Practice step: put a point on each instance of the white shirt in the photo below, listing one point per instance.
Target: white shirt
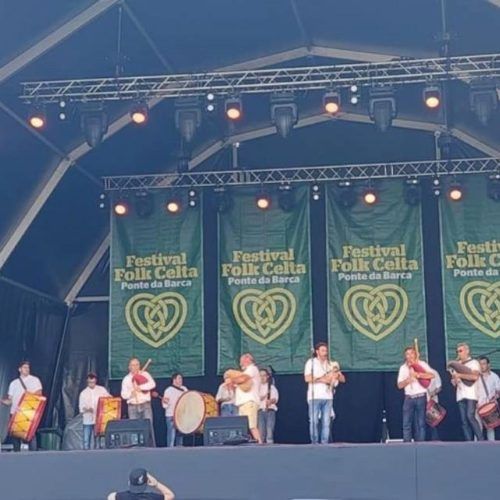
(263, 394)
(173, 394)
(16, 390)
(320, 390)
(89, 399)
(415, 388)
(492, 382)
(242, 397)
(225, 395)
(434, 386)
(469, 392)
(140, 397)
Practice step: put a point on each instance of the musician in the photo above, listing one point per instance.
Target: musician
(322, 376)
(492, 392)
(432, 393)
(225, 397)
(139, 480)
(170, 398)
(248, 402)
(467, 395)
(24, 383)
(415, 395)
(267, 407)
(138, 395)
(87, 403)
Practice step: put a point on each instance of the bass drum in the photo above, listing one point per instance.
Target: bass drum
(489, 414)
(24, 423)
(192, 409)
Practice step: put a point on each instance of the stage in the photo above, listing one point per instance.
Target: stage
(427, 471)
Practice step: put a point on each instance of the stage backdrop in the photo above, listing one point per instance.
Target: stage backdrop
(471, 270)
(156, 290)
(264, 283)
(376, 300)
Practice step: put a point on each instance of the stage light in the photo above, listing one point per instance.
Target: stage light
(37, 117)
(223, 200)
(210, 97)
(483, 99)
(210, 107)
(445, 144)
(144, 204)
(94, 123)
(354, 97)
(233, 108)
(412, 192)
(370, 196)
(139, 113)
(493, 188)
(187, 117)
(315, 192)
(432, 96)
(382, 107)
(173, 205)
(192, 198)
(286, 198)
(455, 193)
(331, 102)
(102, 201)
(436, 186)
(284, 113)
(263, 200)
(354, 89)
(62, 116)
(346, 194)
(121, 208)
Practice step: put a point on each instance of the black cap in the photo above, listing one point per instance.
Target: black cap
(138, 480)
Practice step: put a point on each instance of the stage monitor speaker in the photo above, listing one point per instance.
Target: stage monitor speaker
(225, 430)
(129, 433)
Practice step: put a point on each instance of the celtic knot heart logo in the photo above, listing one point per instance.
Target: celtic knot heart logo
(264, 315)
(156, 319)
(480, 304)
(376, 311)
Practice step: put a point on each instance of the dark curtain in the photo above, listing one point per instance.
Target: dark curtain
(31, 327)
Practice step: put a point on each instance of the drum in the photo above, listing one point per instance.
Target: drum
(434, 413)
(490, 414)
(108, 408)
(192, 409)
(24, 423)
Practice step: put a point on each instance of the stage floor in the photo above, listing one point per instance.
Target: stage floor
(397, 471)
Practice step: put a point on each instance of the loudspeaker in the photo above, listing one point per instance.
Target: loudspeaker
(225, 430)
(129, 433)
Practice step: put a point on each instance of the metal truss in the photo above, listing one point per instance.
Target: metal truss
(398, 72)
(305, 174)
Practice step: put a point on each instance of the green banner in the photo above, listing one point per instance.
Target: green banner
(156, 290)
(264, 283)
(471, 270)
(375, 280)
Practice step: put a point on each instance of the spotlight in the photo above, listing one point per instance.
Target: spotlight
(233, 108)
(432, 96)
(263, 200)
(284, 113)
(187, 117)
(102, 201)
(139, 113)
(37, 117)
(331, 102)
(483, 99)
(210, 97)
(346, 194)
(412, 192)
(382, 107)
(62, 116)
(192, 198)
(455, 193)
(354, 98)
(210, 107)
(436, 186)
(173, 205)
(354, 89)
(370, 196)
(144, 204)
(315, 192)
(494, 187)
(223, 200)
(62, 104)
(286, 198)
(94, 123)
(121, 208)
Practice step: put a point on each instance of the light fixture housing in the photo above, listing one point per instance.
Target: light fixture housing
(93, 122)
(382, 107)
(263, 200)
(37, 117)
(370, 196)
(432, 96)
(233, 107)
(187, 117)
(284, 113)
(121, 207)
(139, 113)
(331, 102)
(483, 99)
(455, 191)
(286, 198)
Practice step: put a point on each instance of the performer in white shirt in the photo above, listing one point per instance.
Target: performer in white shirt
(415, 400)
(467, 395)
(269, 397)
(492, 392)
(322, 376)
(225, 397)
(24, 383)
(170, 398)
(432, 393)
(87, 403)
(247, 392)
(136, 390)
